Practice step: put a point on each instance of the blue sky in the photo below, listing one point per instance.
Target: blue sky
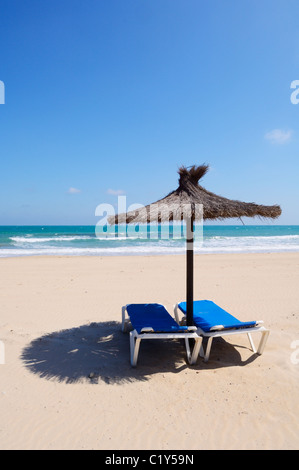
(112, 96)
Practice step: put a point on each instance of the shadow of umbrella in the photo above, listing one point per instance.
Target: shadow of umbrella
(99, 351)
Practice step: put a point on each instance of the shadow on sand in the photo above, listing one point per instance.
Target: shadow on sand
(100, 351)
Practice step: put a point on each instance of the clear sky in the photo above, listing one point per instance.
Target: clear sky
(107, 97)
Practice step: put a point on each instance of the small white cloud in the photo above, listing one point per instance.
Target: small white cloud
(278, 136)
(74, 191)
(115, 192)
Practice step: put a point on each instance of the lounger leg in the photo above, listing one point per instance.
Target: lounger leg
(134, 348)
(251, 342)
(201, 350)
(188, 349)
(208, 349)
(263, 341)
(192, 358)
(196, 349)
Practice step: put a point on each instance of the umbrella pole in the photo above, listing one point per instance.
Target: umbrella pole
(189, 273)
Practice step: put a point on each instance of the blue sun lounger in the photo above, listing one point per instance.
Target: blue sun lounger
(152, 321)
(212, 321)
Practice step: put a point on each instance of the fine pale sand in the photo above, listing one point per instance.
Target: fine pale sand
(67, 383)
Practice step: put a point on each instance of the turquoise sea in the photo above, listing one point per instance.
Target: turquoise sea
(82, 240)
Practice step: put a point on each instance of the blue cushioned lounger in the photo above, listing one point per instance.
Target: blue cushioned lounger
(212, 320)
(152, 321)
(153, 316)
(207, 315)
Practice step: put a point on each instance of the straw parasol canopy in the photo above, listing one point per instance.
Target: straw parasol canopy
(191, 202)
(186, 200)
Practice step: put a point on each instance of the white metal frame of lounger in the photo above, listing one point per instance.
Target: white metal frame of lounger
(220, 330)
(149, 333)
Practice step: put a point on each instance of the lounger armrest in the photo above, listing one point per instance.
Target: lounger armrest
(192, 328)
(222, 327)
(217, 328)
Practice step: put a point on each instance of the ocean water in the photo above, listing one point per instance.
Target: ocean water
(82, 240)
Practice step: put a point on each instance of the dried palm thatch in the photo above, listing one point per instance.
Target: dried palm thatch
(187, 199)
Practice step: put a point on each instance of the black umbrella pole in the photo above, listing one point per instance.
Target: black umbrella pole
(189, 275)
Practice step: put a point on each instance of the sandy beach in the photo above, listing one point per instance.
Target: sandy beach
(67, 383)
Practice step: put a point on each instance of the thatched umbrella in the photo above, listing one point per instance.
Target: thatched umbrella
(192, 202)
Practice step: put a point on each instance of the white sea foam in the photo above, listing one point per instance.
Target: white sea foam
(90, 251)
(49, 239)
(29, 245)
